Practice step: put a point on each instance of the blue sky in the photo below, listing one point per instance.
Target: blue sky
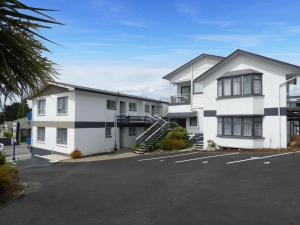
(129, 45)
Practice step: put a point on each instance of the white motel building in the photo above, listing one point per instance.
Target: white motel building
(243, 100)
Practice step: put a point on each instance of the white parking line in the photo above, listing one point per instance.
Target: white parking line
(168, 156)
(206, 157)
(258, 158)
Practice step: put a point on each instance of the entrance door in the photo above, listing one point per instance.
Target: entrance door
(122, 107)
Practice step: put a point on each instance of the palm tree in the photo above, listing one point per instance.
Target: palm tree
(23, 68)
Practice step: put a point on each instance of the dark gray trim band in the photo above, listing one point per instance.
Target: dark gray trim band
(210, 113)
(274, 111)
(91, 124)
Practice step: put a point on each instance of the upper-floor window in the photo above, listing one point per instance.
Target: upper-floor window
(111, 104)
(186, 91)
(242, 85)
(193, 121)
(147, 108)
(41, 107)
(132, 106)
(62, 105)
(244, 126)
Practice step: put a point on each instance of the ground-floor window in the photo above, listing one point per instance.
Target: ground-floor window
(41, 134)
(108, 132)
(62, 136)
(244, 126)
(132, 131)
(193, 121)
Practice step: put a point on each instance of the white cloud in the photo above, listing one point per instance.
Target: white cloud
(186, 9)
(131, 23)
(137, 79)
(219, 23)
(241, 40)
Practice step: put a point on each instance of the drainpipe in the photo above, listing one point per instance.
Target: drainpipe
(116, 122)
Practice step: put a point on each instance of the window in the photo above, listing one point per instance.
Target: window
(257, 85)
(241, 85)
(108, 132)
(132, 131)
(62, 136)
(198, 88)
(193, 121)
(111, 104)
(220, 126)
(227, 86)
(132, 106)
(41, 134)
(237, 126)
(220, 88)
(41, 107)
(257, 127)
(62, 105)
(186, 91)
(227, 126)
(247, 85)
(245, 126)
(147, 108)
(236, 86)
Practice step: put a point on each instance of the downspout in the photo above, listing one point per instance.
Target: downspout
(116, 122)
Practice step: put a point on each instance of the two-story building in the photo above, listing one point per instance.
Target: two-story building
(66, 117)
(240, 100)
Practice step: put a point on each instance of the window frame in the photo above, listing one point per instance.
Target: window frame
(130, 132)
(67, 107)
(108, 106)
(129, 109)
(38, 101)
(254, 119)
(201, 89)
(60, 138)
(195, 121)
(220, 81)
(37, 134)
(147, 105)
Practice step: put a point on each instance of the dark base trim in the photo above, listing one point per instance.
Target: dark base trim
(42, 151)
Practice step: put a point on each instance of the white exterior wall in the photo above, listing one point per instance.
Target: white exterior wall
(127, 141)
(50, 116)
(272, 76)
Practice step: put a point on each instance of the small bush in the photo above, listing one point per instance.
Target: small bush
(9, 178)
(173, 144)
(7, 134)
(2, 159)
(76, 154)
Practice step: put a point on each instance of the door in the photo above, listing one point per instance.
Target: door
(122, 107)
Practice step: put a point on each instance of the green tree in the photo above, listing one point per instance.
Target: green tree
(14, 111)
(23, 68)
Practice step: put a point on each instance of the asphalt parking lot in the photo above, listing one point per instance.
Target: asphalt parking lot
(186, 188)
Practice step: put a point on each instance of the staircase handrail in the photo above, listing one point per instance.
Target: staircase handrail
(148, 130)
(165, 123)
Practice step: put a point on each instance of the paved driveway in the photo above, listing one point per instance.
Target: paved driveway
(192, 188)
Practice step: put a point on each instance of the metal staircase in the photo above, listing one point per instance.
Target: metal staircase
(157, 131)
(197, 140)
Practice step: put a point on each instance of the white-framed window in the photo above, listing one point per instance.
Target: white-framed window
(41, 107)
(237, 126)
(247, 83)
(193, 121)
(41, 134)
(227, 86)
(132, 106)
(108, 133)
(62, 136)
(111, 104)
(147, 108)
(220, 126)
(236, 85)
(62, 105)
(132, 131)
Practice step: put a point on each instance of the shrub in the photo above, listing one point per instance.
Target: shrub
(7, 134)
(2, 159)
(173, 144)
(9, 178)
(76, 154)
(178, 133)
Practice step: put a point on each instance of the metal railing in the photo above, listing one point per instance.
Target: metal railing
(180, 99)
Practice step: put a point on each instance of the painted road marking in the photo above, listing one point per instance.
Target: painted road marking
(204, 162)
(258, 158)
(206, 157)
(168, 156)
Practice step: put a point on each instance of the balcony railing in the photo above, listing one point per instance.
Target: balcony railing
(180, 100)
(124, 120)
